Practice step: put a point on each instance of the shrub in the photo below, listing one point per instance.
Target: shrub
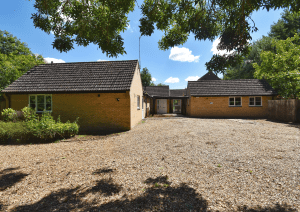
(13, 131)
(36, 130)
(29, 114)
(9, 114)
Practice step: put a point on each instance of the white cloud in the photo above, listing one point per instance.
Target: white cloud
(172, 80)
(49, 59)
(101, 60)
(153, 79)
(219, 52)
(192, 78)
(183, 55)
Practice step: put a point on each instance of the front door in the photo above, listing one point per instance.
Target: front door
(161, 106)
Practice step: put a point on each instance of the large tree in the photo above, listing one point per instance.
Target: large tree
(146, 77)
(15, 59)
(282, 67)
(101, 22)
(285, 27)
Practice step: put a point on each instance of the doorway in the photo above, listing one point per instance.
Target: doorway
(176, 105)
(161, 106)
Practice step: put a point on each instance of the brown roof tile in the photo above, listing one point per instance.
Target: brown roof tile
(76, 77)
(240, 87)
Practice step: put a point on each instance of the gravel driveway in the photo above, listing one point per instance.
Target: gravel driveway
(163, 164)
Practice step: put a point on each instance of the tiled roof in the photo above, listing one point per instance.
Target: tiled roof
(240, 87)
(76, 77)
(209, 76)
(157, 90)
(178, 92)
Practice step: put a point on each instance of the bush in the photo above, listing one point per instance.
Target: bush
(29, 114)
(13, 131)
(9, 114)
(35, 130)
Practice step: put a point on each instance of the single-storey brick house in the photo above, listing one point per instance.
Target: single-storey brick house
(212, 97)
(106, 96)
(229, 98)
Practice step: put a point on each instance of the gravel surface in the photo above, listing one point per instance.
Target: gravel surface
(163, 164)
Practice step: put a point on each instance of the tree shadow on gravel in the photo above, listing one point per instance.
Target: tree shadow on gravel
(9, 178)
(158, 196)
(276, 208)
(103, 171)
(106, 187)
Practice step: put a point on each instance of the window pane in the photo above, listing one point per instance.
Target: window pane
(40, 99)
(48, 99)
(258, 101)
(231, 101)
(32, 100)
(32, 106)
(251, 101)
(238, 101)
(40, 107)
(48, 107)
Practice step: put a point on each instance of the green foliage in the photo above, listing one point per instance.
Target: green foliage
(84, 22)
(9, 114)
(15, 59)
(12, 131)
(146, 77)
(245, 70)
(282, 68)
(102, 22)
(29, 114)
(34, 129)
(161, 84)
(287, 26)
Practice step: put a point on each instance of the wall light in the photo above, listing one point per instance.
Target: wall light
(118, 99)
(98, 95)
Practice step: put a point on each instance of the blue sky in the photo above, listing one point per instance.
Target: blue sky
(172, 67)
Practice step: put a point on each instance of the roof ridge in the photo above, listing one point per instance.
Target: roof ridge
(90, 62)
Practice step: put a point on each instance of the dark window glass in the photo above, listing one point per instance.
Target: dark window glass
(258, 101)
(238, 101)
(251, 101)
(231, 101)
(32, 102)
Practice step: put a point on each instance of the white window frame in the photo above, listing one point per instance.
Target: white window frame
(35, 95)
(138, 102)
(255, 101)
(234, 101)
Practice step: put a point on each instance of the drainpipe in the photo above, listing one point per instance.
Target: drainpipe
(7, 100)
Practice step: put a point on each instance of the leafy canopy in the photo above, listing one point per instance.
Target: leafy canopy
(146, 77)
(101, 22)
(15, 59)
(282, 68)
(287, 26)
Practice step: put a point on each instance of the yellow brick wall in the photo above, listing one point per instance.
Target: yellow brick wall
(95, 113)
(146, 106)
(201, 107)
(18, 101)
(135, 90)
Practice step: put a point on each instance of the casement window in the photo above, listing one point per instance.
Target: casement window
(138, 102)
(235, 101)
(41, 102)
(255, 101)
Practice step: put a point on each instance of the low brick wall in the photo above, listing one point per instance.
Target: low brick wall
(284, 110)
